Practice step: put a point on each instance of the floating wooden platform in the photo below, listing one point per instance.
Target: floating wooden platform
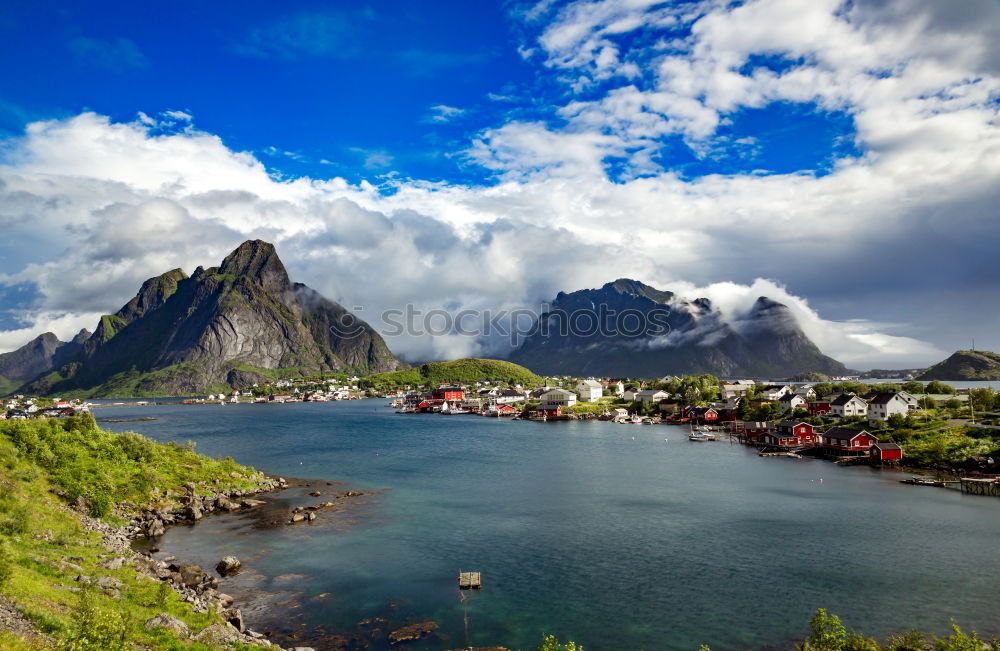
(469, 581)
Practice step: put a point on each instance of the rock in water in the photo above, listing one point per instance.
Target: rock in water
(228, 565)
(412, 632)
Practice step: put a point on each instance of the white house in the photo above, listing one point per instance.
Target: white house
(510, 396)
(732, 389)
(806, 391)
(884, 405)
(773, 391)
(848, 404)
(790, 401)
(558, 398)
(589, 390)
(616, 388)
(651, 395)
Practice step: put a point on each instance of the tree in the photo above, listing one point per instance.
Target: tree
(743, 409)
(896, 421)
(935, 386)
(928, 402)
(983, 399)
(913, 387)
(827, 633)
(953, 403)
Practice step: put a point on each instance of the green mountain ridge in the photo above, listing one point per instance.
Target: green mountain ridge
(184, 335)
(460, 370)
(965, 365)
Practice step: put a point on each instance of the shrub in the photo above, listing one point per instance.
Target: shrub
(96, 628)
(550, 643)
(6, 562)
(17, 523)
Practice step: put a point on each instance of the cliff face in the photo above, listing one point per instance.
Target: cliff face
(965, 365)
(677, 336)
(39, 355)
(185, 334)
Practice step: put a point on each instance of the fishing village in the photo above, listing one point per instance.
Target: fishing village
(844, 421)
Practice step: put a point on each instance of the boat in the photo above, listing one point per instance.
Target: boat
(701, 434)
(636, 420)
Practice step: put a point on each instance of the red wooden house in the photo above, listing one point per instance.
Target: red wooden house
(818, 408)
(753, 430)
(448, 393)
(701, 414)
(846, 441)
(803, 432)
(726, 415)
(779, 439)
(886, 452)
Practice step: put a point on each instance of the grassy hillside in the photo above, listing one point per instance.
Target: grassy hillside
(7, 386)
(45, 465)
(965, 365)
(459, 370)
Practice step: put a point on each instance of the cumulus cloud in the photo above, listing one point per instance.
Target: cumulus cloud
(887, 246)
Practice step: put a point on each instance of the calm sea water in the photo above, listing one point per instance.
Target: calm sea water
(619, 537)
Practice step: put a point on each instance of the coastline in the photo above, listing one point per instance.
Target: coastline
(200, 586)
(193, 584)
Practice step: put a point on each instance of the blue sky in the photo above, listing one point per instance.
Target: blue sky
(345, 89)
(839, 156)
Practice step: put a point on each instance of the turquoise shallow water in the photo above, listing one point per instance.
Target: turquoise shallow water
(582, 531)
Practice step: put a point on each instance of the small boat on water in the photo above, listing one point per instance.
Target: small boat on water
(701, 434)
(636, 420)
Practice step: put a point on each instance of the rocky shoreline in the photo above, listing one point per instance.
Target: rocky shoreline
(192, 583)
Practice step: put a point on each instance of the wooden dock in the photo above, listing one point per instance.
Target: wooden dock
(976, 486)
(469, 581)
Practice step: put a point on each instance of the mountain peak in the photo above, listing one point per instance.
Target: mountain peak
(629, 287)
(258, 260)
(153, 293)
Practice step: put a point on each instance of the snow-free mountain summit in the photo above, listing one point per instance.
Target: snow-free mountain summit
(225, 325)
(764, 342)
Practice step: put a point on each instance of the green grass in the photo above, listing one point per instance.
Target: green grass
(44, 464)
(7, 386)
(460, 370)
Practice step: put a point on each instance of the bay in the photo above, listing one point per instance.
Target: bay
(619, 537)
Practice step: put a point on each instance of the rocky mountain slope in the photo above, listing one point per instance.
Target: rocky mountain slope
(42, 353)
(965, 365)
(218, 328)
(627, 328)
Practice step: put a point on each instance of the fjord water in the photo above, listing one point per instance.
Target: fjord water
(582, 531)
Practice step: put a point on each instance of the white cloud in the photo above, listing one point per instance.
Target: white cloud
(444, 113)
(903, 235)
